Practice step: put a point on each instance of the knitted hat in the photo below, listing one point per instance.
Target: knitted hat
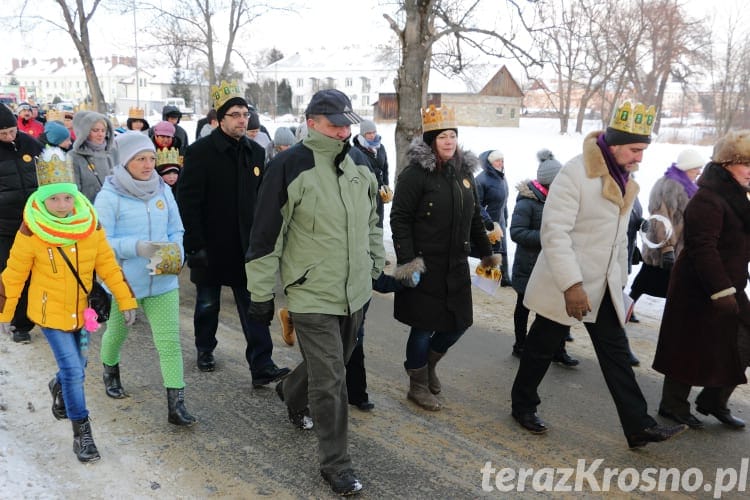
(164, 128)
(253, 121)
(366, 126)
(131, 143)
(548, 167)
(7, 118)
(56, 133)
(495, 155)
(283, 137)
(690, 159)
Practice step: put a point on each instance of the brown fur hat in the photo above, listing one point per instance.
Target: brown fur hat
(734, 147)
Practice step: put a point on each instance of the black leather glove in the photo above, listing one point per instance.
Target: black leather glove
(262, 312)
(386, 284)
(667, 260)
(198, 258)
(488, 224)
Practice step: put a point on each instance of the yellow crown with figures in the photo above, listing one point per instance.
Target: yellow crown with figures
(54, 115)
(136, 113)
(170, 156)
(438, 118)
(225, 91)
(632, 119)
(53, 168)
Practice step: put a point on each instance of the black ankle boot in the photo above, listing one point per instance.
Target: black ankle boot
(83, 442)
(112, 384)
(58, 404)
(178, 414)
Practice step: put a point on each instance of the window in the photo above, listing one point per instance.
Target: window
(499, 111)
(512, 112)
(299, 100)
(347, 82)
(300, 83)
(365, 100)
(365, 85)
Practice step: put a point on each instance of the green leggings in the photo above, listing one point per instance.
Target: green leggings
(163, 314)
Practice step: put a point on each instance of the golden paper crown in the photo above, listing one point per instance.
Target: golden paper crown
(438, 118)
(53, 168)
(137, 113)
(170, 156)
(54, 115)
(225, 91)
(633, 120)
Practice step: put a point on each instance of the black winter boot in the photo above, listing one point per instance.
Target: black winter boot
(178, 414)
(433, 382)
(58, 404)
(83, 442)
(112, 384)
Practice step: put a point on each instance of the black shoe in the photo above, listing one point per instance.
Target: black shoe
(564, 359)
(504, 283)
(633, 318)
(21, 337)
(58, 405)
(300, 419)
(365, 405)
(343, 482)
(724, 416)
(688, 419)
(655, 434)
(531, 422)
(633, 360)
(270, 374)
(517, 352)
(206, 361)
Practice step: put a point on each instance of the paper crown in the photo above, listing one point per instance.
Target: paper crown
(168, 156)
(438, 118)
(53, 168)
(54, 115)
(137, 113)
(634, 119)
(225, 91)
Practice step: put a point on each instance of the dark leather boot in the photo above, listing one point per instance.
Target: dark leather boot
(112, 384)
(178, 414)
(58, 404)
(432, 379)
(83, 442)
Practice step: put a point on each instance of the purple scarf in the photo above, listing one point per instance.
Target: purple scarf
(619, 174)
(681, 177)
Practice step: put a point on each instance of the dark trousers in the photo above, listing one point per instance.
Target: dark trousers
(610, 344)
(319, 382)
(356, 376)
(20, 321)
(206, 321)
(674, 397)
(521, 323)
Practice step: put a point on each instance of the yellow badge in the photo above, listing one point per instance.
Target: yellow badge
(26, 158)
(160, 205)
(256, 171)
(467, 184)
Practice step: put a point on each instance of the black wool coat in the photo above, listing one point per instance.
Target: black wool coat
(435, 215)
(218, 190)
(17, 180)
(697, 345)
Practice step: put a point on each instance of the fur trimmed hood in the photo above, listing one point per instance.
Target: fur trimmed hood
(421, 153)
(596, 166)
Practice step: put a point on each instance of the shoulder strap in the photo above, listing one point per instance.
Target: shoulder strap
(73, 269)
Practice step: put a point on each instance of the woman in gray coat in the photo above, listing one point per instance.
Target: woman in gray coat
(92, 155)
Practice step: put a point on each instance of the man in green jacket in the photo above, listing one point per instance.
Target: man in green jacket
(318, 226)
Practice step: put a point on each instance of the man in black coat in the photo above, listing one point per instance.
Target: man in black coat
(218, 189)
(18, 152)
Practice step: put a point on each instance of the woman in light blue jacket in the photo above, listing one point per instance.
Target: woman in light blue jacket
(143, 225)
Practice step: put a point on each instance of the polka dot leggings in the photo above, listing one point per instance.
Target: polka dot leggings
(163, 314)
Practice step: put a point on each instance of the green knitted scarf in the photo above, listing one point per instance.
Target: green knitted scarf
(60, 231)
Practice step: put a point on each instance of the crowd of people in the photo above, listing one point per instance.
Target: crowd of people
(85, 201)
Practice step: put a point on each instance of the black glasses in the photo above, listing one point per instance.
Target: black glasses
(237, 114)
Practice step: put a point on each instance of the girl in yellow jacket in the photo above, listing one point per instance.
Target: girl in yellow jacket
(58, 219)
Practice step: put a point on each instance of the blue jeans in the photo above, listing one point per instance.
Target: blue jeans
(72, 365)
(206, 321)
(422, 342)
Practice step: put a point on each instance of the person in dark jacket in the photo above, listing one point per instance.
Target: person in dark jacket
(173, 115)
(492, 188)
(435, 215)
(525, 229)
(218, 189)
(18, 152)
(704, 339)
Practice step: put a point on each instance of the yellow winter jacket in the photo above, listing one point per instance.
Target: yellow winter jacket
(56, 300)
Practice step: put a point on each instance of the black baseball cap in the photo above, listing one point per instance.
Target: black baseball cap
(335, 105)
